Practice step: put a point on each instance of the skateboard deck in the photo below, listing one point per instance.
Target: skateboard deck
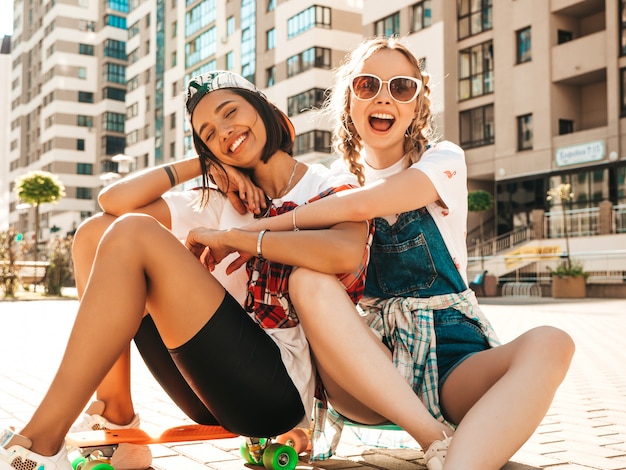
(190, 432)
(95, 448)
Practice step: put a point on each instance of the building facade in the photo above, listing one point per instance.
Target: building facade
(533, 90)
(67, 103)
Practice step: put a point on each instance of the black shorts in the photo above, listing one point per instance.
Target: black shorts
(230, 373)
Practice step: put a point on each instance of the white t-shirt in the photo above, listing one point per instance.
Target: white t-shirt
(220, 214)
(444, 164)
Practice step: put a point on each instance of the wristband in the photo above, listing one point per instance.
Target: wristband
(259, 251)
(170, 175)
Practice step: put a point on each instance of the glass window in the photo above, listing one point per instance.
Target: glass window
(85, 97)
(525, 132)
(201, 47)
(114, 145)
(118, 5)
(474, 17)
(318, 57)
(566, 126)
(115, 21)
(622, 92)
(114, 122)
(84, 121)
(230, 60)
(114, 72)
(85, 49)
(83, 193)
(421, 15)
(80, 145)
(314, 16)
(389, 26)
(270, 76)
(477, 127)
(312, 141)
(564, 36)
(622, 23)
(113, 48)
(84, 168)
(305, 101)
(476, 71)
(523, 45)
(200, 16)
(230, 25)
(271, 39)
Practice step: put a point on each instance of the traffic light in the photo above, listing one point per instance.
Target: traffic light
(19, 237)
(54, 229)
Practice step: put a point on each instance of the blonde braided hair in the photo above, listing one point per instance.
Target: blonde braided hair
(346, 139)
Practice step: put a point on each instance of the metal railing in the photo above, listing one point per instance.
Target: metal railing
(580, 223)
(500, 243)
(601, 266)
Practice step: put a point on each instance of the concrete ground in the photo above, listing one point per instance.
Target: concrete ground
(584, 429)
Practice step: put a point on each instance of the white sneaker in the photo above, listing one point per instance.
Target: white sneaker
(15, 453)
(436, 453)
(126, 456)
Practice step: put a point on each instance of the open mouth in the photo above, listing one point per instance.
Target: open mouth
(381, 121)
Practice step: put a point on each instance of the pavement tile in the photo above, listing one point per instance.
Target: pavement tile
(585, 428)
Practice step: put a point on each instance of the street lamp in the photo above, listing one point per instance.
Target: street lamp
(123, 163)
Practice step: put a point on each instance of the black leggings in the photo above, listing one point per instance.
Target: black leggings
(230, 373)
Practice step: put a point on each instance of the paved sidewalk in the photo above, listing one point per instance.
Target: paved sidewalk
(584, 429)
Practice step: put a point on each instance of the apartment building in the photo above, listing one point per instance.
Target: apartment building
(533, 90)
(67, 103)
(5, 88)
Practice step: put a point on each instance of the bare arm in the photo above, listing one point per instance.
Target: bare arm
(142, 189)
(338, 249)
(408, 190)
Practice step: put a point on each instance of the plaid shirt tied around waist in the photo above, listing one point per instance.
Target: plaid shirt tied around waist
(268, 286)
(406, 325)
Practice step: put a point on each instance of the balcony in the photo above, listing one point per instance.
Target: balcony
(581, 61)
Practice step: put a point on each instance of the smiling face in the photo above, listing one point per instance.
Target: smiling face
(230, 127)
(382, 121)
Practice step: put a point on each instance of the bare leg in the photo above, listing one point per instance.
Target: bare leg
(114, 390)
(500, 396)
(335, 330)
(156, 271)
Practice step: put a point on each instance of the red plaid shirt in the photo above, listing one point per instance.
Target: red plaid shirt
(268, 286)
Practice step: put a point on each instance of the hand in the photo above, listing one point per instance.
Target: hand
(242, 193)
(208, 246)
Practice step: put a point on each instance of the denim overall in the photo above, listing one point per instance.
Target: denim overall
(410, 259)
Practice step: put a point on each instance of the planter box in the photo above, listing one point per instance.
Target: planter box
(569, 287)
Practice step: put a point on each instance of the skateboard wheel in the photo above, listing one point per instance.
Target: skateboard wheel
(78, 462)
(280, 457)
(296, 438)
(97, 465)
(244, 451)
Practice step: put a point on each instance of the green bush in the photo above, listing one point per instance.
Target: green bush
(573, 268)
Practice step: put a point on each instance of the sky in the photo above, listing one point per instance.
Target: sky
(6, 17)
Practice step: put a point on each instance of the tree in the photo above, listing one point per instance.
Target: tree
(36, 188)
(479, 201)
